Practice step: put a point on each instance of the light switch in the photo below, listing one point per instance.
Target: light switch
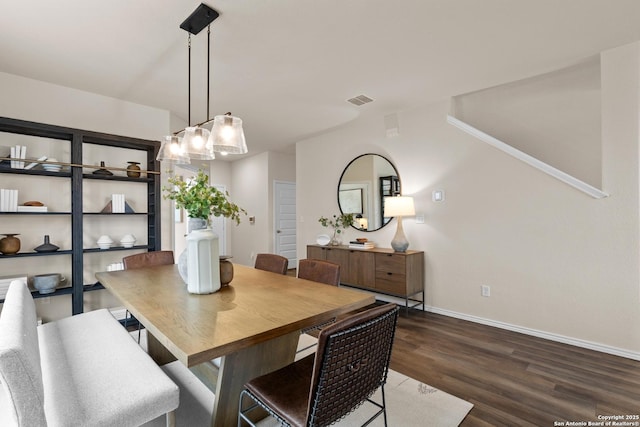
(437, 195)
(419, 218)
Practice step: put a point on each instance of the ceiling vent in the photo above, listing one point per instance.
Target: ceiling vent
(360, 100)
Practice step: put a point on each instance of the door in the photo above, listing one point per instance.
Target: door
(285, 221)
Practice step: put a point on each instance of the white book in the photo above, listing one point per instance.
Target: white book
(32, 165)
(122, 203)
(3, 200)
(23, 155)
(13, 157)
(14, 201)
(33, 209)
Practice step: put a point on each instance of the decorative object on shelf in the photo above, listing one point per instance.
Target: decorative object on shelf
(102, 170)
(128, 240)
(226, 270)
(399, 206)
(323, 239)
(52, 167)
(198, 142)
(8, 200)
(133, 170)
(47, 283)
(105, 242)
(201, 200)
(10, 244)
(338, 223)
(46, 246)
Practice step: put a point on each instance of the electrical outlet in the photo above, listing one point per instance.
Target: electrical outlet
(485, 291)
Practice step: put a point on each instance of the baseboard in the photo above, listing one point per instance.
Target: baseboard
(527, 331)
(540, 334)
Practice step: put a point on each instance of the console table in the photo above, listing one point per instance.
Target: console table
(381, 270)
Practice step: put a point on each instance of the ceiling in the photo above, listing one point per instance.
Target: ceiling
(287, 67)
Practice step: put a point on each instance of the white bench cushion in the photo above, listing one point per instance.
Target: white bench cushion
(22, 394)
(94, 374)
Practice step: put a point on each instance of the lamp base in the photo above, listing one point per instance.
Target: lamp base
(399, 242)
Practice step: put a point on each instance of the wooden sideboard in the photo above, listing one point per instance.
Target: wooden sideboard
(381, 270)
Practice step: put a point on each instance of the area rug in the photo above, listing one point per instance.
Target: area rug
(409, 403)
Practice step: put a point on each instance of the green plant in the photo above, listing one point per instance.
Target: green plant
(337, 222)
(200, 199)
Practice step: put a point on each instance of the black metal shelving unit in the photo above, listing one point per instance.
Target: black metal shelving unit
(79, 139)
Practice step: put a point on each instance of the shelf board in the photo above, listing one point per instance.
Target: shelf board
(116, 213)
(35, 213)
(28, 254)
(115, 248)
(116, 178)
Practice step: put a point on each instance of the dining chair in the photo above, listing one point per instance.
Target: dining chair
(351, 363)
(326, 272)
(146, 259)
(320, 271)
(272, 262)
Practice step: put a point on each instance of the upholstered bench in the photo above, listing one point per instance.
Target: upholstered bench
(83, 370)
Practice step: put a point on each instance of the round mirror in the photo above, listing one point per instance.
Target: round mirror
(363, 185)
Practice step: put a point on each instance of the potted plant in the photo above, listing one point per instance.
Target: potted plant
(201, 200)
(337, 222)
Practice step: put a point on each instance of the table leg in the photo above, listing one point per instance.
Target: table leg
(238, 368)
(157, 351)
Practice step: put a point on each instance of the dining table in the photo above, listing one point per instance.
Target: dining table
(251, 326)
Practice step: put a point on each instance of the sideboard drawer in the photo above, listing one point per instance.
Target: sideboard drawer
(387, 281)
(391, 262)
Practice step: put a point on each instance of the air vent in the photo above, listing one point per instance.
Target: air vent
(360, 100)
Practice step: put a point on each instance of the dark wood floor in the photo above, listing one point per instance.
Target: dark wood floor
(514, 379)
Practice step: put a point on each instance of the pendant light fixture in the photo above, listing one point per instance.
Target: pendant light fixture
(198, 142)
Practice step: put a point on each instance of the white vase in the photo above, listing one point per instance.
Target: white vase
(203, 262)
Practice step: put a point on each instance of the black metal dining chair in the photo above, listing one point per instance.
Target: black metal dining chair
(351, 363)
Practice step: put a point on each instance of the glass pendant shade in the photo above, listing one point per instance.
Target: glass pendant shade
(171, 150)
(194, 143)
(227, 135)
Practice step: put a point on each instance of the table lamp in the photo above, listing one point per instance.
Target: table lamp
(399, 206)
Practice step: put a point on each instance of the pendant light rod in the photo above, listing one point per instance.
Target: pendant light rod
(189, 85)
(208, 67)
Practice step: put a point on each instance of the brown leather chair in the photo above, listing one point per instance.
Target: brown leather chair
(147, 259)
(272, 262)
(319, 271)
(322, 272)
(351, 363)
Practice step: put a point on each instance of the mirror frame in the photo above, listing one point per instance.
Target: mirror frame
(399, 187)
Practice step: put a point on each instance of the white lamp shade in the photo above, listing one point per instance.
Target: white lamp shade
(171, 150)
(398, 206)
(227, 135)
(194, 143)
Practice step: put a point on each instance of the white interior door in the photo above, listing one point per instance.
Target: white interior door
(285, 221)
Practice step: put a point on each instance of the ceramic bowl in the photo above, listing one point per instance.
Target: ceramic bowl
(323, 239)
(47, 283)
(105, 242)
(128, 241)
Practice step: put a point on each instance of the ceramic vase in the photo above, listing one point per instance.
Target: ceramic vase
(10, 244)
(133, 170)
(46, 246)
(203, 264)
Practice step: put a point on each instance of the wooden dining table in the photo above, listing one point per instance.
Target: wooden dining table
(253, 324)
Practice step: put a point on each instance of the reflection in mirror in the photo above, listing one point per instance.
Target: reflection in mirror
(364, 183)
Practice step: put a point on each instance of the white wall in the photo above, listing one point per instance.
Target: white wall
(42, 102)
(252, 189)
(560, 263)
